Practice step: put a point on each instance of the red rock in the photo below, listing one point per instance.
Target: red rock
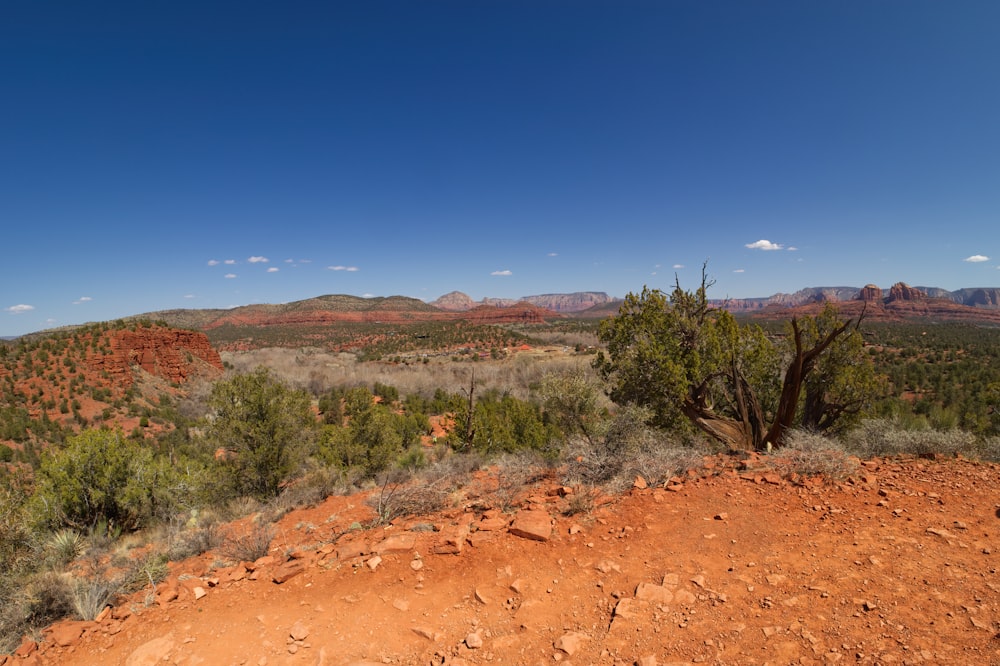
(67, 633)
(287, 571)
(451, 541)
(26, 647)
(654, 593)
(397, 543)
(571, 643)
(532, 524)
(491, 524)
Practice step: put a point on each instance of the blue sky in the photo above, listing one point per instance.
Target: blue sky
(159, 155)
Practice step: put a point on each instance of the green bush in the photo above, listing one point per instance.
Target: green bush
(98, 476)
(265, 427)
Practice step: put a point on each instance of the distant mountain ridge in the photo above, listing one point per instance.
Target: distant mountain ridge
(578, 301)
(976, 297)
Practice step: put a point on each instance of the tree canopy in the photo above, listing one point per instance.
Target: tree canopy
(264, 427)
(693, 363)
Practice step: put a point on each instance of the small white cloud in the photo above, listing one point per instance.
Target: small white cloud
(366, 295)
(188, 295)
(50, 320)
(272, 269)
(552, 254)
(765, 245)
(502, 273)
(230, 262)
(792, 248)
(740, 270)
(289, 261)
(20, 309)
(213, 262)
(257, 260)
(230, 276)
(82, 299)
(976, 259)
(305, 261)
(677, 267)
(349, 269)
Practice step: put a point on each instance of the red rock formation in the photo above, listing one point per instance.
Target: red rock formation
(870, 293)
(904, 292)
(169, 353)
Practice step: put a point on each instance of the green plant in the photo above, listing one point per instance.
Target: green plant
(266, 427)
(693, 363)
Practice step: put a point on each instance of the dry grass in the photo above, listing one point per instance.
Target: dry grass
(319, 371)
(809, 454)
(248, 545)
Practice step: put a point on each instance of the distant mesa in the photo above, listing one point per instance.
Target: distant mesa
(579, 301)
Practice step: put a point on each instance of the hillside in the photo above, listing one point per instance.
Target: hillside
(101, 373)
(733, 564)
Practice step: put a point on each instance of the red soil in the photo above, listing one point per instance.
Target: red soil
(732, 566)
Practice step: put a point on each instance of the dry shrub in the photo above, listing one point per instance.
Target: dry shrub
(628, 448)
(319, 371)
(810, 454)
(194, 541)
(248, 545)
(581, 501)
(885, 437)
(514, 473)
(28, 605)
(398, 499)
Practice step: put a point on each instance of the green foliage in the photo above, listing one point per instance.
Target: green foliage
(690, 362)
(571, 401)
(99, 475)
(265, 427)
(505, 424)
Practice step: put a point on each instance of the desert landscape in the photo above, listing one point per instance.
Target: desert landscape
(734, 563)
(631, 548)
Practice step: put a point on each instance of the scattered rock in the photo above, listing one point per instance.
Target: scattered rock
(571, 643)
(474, 641)
(299, 631)
(532, 524)
(152, 652)
(287, 571)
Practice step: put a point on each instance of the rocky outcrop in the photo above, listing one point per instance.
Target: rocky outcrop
(576, 302)
(169, 353)
(870, 294)
(904, 292)
(454, 301)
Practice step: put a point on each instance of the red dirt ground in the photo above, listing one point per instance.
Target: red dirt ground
(734, 566)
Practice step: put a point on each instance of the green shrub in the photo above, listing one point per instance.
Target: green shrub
(100, 476)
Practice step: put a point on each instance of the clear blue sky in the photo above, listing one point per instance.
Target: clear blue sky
(167, 154)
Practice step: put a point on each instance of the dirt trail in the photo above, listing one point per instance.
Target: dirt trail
(895, 566)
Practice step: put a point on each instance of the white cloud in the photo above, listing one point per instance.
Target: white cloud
(213, 262)
(305, 261)
(349, 269)
(188, 295)
(230, 276)
(792, 248)
(257, 260)
(976, 258)
(502, 273)
(20, 309)
(677, 267)
(740, 270)
(289, 261)
(765, 245)
(272, 269)
(230, 262)
(552, 254)
(82, 299)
